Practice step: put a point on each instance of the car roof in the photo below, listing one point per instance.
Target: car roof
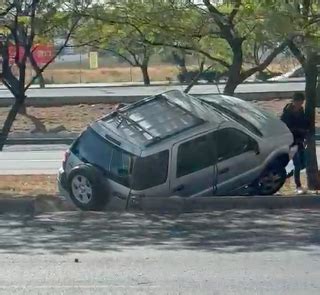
(157, 119)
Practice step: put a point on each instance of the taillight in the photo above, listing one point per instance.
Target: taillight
(66, 156)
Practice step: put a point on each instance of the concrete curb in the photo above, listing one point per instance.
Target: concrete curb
(40, 141)
(42, 204)
(33, 205)
(102, 85)
(204, 204)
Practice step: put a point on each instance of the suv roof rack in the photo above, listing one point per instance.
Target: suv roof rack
(147, 121)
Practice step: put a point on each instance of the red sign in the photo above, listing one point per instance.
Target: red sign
(12, 53)
(42, 53)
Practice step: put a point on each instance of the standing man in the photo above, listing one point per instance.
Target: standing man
(294, 117)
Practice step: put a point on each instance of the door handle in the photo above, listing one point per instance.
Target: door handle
(179, 188)
(224, 170)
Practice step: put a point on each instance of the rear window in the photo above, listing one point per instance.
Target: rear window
(92, 148)
(150, 171)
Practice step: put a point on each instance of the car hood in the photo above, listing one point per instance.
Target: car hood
(244, 112)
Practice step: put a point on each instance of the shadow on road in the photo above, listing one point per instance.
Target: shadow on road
(223, 232)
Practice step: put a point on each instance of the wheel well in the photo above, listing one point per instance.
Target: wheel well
(281, 160)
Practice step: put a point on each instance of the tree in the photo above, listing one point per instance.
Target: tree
(302, 19)
(119, 39)
(24, 23)
(224, 34)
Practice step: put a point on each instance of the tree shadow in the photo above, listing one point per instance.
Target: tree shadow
(39, 126)
(220, 232)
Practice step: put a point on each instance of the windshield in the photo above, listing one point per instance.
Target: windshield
(242, 112)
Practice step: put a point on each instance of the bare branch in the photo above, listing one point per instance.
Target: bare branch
(235, 10)
(297, 53)
(212, 9)
(276, 51)
(9, 8)
(196, 78)
(73, 27)
(204, 53)
(120, 55)
(32, 23)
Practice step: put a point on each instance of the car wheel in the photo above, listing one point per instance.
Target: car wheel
(270, 181)
(87, 189)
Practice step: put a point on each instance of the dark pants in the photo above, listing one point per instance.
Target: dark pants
(299, 162)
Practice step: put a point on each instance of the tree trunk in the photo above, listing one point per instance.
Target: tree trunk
(8, 122)
(36, 68)
(42, 82)
(311, 98)
(180, 61)
(231, 86)
(145, 74)
(235, 69)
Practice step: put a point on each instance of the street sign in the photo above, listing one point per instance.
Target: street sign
(42, 53)
(93, 57)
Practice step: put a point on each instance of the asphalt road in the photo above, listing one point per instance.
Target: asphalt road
(17, 160)
(227, 253)
(151, 90)
(38, 159)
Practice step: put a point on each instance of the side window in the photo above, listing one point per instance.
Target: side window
(151, 171)
(195, 155)
(120, 163)
(232, 142)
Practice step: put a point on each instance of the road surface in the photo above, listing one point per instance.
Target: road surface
(38, 159)
(221, 253)
(16, 160)
(151, 90)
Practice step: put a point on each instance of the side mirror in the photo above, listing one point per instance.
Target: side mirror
(255, 147)
(123, 172)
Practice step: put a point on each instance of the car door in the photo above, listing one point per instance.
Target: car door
(150, 175)
(238, 160)
(192, 167)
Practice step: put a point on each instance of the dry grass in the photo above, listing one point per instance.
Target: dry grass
(73, 118)
(30, 185)
(109, 75)
(289, 187)
(122, 74)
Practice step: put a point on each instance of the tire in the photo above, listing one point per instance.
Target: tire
(270, 181)
(88, 190)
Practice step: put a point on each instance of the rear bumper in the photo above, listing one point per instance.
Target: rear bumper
(62, 185)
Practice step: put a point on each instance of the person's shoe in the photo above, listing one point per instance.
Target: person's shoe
(301, 191)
